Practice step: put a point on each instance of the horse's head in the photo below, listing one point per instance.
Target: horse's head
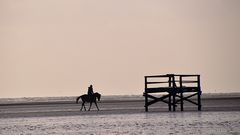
(97, 95)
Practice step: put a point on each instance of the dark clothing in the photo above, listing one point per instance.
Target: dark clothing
(90, 92)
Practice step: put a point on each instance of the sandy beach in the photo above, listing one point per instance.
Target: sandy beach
(221, 112)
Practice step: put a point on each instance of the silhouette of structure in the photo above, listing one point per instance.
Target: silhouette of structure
(175, 86)
(85, 98)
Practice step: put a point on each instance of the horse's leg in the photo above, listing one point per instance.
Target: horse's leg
(96, 105)
(82, 106)
(90, 106)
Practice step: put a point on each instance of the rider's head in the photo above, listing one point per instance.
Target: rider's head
(91, 86)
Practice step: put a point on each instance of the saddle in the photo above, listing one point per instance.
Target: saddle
(90, 97)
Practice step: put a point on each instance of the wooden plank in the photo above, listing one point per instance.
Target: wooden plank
(163, 97)
(156, 82)
(157, 99)
(187, 99)
(162, 89)
(156, 76)
(185, 75)
(188, 81)
(191, 101)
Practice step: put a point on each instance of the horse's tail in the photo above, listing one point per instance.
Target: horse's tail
(78, 99)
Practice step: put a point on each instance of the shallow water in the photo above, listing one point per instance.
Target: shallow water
(104, 98)
(139, 123)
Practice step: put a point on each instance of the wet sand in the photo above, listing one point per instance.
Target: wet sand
(119, 115)
(127, 105)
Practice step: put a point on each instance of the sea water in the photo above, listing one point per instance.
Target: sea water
(206, 123)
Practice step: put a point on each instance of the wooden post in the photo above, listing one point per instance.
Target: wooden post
(199, 94)
(174, 93)
(146, 95)
(181, 92)
(170, 94)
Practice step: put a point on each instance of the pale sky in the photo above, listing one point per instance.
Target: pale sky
(60, 47)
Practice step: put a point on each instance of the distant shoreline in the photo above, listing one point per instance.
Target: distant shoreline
(107, 98)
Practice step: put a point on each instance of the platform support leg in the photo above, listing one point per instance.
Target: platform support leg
(146, 102)
(174, 101)
(169, 102)
(181, 96)
(199, 100)
(199, 94)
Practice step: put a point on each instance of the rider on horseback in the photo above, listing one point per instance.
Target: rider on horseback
(90, 97)
(90, 92)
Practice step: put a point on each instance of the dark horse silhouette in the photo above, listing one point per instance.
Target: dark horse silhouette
(85, 98)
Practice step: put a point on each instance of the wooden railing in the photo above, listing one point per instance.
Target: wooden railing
(175, 85)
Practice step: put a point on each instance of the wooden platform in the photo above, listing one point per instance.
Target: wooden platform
(176, 87)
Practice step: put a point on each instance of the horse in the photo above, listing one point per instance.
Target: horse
(85, 98)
